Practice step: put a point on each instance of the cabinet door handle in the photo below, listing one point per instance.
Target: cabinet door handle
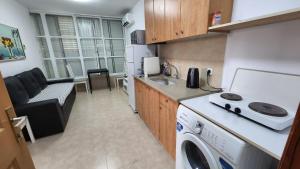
(176, 33)
(182, 32)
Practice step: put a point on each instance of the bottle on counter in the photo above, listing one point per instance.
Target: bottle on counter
(216, 18)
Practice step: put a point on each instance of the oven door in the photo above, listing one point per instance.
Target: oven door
(195, 153)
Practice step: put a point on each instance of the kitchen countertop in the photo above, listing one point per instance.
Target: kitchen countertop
(177, 91)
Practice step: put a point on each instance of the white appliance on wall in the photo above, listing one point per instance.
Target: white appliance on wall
(134, 55)
(127, 20)
(202, 144)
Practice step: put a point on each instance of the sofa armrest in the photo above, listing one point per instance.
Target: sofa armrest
(45, 117)
(69, 80)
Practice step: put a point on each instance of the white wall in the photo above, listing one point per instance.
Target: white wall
(14, 14)
(139, 16)
(272, 47)
(245, 9)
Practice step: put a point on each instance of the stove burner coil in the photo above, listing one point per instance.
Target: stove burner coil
(268, 109)
(231, 96)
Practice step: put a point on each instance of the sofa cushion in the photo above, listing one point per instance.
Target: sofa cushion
(30, 83)
(16, 90)
(39, 76)
(58, 91)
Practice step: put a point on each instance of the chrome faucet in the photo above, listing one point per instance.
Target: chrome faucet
(168, 70)
(177, 72)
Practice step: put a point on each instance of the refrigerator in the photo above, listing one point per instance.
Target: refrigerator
(134, 55)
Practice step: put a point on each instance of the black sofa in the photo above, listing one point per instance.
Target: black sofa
(31, 94)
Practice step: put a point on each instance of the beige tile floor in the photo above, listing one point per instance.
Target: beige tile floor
(102, 133)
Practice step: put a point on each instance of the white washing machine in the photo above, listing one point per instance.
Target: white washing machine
(204, 145)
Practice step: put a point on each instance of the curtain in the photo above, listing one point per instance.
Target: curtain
(92, 47)
(89, 27)
(60, 25)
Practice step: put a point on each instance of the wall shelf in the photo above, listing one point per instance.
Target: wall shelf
(288, 15)
(207, 35)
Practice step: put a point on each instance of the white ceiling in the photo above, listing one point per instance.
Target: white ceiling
(93, 7)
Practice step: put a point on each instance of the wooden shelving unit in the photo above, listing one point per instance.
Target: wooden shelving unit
(258, 21)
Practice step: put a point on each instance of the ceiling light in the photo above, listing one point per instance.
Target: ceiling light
(82, 0)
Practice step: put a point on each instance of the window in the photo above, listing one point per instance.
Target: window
(65, 48)
(44, 47)
(60, 25)
(83, 42)
(49, 69)
(44, 50)
(64, 44)
(114, 44)
(89, 27)
(75, 65)
(38, 24)
(91, 40)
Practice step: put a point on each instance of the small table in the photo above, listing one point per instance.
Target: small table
(93, 71)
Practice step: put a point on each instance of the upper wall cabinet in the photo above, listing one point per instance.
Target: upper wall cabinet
(149, 20)
(155, 16)
(193, 17)
(174, 19)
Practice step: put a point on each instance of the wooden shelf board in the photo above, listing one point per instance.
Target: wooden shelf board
(208, 35)
(288, 15)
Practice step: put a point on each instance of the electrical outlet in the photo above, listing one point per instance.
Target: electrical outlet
(209, 71)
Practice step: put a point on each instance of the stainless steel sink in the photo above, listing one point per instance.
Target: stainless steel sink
(162, 81)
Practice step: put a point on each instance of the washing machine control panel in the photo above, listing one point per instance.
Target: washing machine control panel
(225, 143)
(212, 138)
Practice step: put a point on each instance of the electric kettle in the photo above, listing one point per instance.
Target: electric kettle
(192, 78)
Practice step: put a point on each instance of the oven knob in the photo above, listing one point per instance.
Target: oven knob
(237, 110)
(227, 106)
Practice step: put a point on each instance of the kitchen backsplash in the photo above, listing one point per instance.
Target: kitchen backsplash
(205, 52)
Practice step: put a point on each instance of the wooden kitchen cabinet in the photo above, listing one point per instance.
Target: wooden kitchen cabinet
(147, 102)
(145, 90)
(138, 97)
(154, 112)
(149, 18)
(172, 19)
(194, 16)
(159, 114)
(167, 124)
(155, 16)
(182, 18)
(159, 20)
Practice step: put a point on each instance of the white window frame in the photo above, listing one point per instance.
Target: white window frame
(78, 38)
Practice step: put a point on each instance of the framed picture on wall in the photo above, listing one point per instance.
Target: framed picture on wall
(11, 47)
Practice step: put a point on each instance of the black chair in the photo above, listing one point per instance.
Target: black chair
(93, 71)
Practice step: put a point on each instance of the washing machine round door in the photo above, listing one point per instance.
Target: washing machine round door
(196, 154)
